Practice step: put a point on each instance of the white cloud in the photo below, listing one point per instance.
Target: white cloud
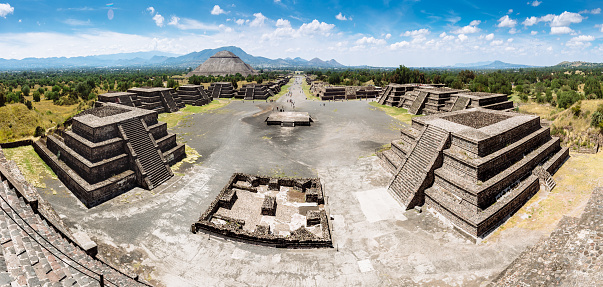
(561, 30)
(510, 11)
(217, 10)
(240, 21)
(600, 26)
(151, 10)
(593, 11)
(158, 20)
(398, 45)
(530, 21)
(469, 29)
(258, 21)
(581, 41)
(533, 33)
(489, 36)
(388, 36)
(535, 3)
(370, 41)
(416, 33)
(75, 22)
(565, 19)
(446, 37)
(462, 37)
(496, 43)
(316, 27)
(190, 24)
(6, 9)
(281, 23)
(341, 17)
(507, 22)
(510, 40)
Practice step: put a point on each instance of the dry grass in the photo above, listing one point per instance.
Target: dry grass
(191, 157)
(544, 111)
(576, 180)
(396, 113)
(284, 90)
(31, 165)
(172, 119)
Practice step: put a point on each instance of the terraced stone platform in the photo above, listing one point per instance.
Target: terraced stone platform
(475, 167)
(289, 119)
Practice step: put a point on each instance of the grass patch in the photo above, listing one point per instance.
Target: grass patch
(309, 95)
(172, 119)
(191, 157)
(31, 165)
(400, 114)
(544, 111)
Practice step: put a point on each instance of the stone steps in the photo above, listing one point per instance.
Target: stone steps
(460, 104)
(385, 95)
(148, 155)
(32, 253)
(418, 103)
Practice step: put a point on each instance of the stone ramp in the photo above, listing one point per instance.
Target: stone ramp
(418, 104)
(570, 256)
(147, 153)
(32, 253)
(460, 104)
(416, 172)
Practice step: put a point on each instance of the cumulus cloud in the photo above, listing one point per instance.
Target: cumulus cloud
(388, 36)
(593, 11)
(462, 37)
(399, 45)
(284, 30)
(510, 11)
(151, 10)
(581, 41)
(370, 41)
(158, 20)
(6, 9)
(531, 21)
(341, 17)
(217, 10)
(561, 30)
(446, 37)
(565, 19)
(469, 29)
(600, 26)
(496, 43)
(533, 33)
(283, 23)
(535, 3)
(506, 22)
(190, 24)
(240, 21)
(258, 21)
(489, 36)
(416, 33)
(316, 27)
(559, 23)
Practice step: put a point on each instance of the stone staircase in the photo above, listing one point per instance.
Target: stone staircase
(168, 101)
(32, 253)
(413, 176)
(147, 153)
(215, 93)
(460, 104)
(545, 178)
(385, 95)
(249, 93)
(418, 104)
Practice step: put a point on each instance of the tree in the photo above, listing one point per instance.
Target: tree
(567, 98)
(172, 84)
(25, 90)
(592, 89)
(597, 117)
(36, 96)
(28, 104)
(39, 132)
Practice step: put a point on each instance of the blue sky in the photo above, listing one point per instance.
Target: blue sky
(377, 33)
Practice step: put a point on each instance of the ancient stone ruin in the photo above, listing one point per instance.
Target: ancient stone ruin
(475, 167)
(432, 99)
(160, 100)
(278, 212)
(110, 149)
(221, 64)
(328, 92)
(194, 95)
(221, 90)
(289, 119)
(257, 91)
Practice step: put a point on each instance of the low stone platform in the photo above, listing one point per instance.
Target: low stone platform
(289, 119)
(269, 211)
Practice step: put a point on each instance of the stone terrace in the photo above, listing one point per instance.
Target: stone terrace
(475, 166)
(571, 256)
(109, 150)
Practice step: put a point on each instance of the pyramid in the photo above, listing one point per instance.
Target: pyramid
(221, 64)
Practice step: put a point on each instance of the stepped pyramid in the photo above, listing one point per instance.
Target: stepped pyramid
(221, 64)
(475, 167)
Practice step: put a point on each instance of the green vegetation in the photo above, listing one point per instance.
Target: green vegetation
(309, 95)
(31, 165)
(284, 90)
(172, 119)
(397, 113)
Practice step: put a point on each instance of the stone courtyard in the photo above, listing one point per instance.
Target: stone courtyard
(376, 241)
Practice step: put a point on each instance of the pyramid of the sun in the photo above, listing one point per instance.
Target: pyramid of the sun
(221, 64)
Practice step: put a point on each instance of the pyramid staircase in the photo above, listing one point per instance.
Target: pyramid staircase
(32, 253)
(168, 102)
(145, 153)
(545, 178)
(385, 95)
(418, 104)
(460, 104)
(215, 93)
(416, 172)
(249, 93)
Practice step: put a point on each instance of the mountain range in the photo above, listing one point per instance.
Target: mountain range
(161, 59)
(488, 65)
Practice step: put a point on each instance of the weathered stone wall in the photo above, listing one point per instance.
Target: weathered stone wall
(92, 134)
(93, 152)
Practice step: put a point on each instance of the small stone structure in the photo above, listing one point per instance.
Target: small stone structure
(289, 119)
(110, 149)
(221, 64)
(257, 91)
(194, 95)
(159, 100)
(221, 90)
(433, 99)
(269, 211)
(475, 167)
(328, 92)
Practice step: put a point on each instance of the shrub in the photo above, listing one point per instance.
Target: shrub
(597, 117)
(36, 96)
(39, 131)
(28, 104)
